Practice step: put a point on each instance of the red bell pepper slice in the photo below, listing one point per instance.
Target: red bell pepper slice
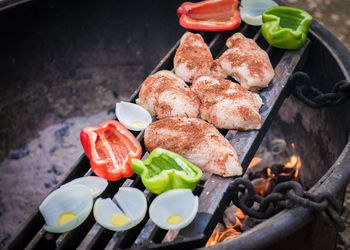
(210, 15)
(110, 148)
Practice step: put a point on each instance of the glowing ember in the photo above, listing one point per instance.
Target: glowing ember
(171, 235)
(262, 186)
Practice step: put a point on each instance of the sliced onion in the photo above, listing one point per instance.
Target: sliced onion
(178, 202)
(95, 184)
(132, 116)
(75, 198)
(251, 10)
(131, 203)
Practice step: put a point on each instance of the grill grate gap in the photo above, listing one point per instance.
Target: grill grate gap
(158, 235)
(262, 42)
(275, 55)
(250, 31)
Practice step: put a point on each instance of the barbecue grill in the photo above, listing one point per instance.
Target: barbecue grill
(214, 191)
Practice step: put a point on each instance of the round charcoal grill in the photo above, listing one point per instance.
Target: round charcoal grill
(323, 57)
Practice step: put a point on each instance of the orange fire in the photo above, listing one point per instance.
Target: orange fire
(255, 161)
(294, 164)
(229, 232)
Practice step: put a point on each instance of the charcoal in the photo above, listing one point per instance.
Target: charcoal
(18, 153)
(56, 169)
(54, 149)
(62, 133)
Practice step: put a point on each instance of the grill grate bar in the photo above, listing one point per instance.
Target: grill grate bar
(212, 189)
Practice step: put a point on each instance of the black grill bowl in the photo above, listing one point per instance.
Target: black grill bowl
(63, 31)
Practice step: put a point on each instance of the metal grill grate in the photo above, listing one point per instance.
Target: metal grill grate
(212, 189)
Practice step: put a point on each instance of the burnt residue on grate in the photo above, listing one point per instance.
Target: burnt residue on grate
(212, 189)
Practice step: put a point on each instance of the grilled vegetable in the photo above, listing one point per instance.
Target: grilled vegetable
(110, 148)
(164, 170)
(251, 10)
(132, 116)
(285, 27)
(95, 184)
(209, 15)
(66, 208)
(174, 209)
(126, 210)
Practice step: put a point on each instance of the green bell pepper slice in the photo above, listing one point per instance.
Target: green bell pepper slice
(164, 170)
(285, 27)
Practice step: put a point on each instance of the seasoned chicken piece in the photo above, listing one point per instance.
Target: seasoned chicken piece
(246, 62)
(227, 104)
(165, 94)
(217, 70)
(192, 58)
(197, 141)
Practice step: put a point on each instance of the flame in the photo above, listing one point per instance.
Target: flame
(214, 238)
(293, 163)
(269, 172)
(230, 232)
(255, 161)
(240, 215)
(261, 187)
(297, 167)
